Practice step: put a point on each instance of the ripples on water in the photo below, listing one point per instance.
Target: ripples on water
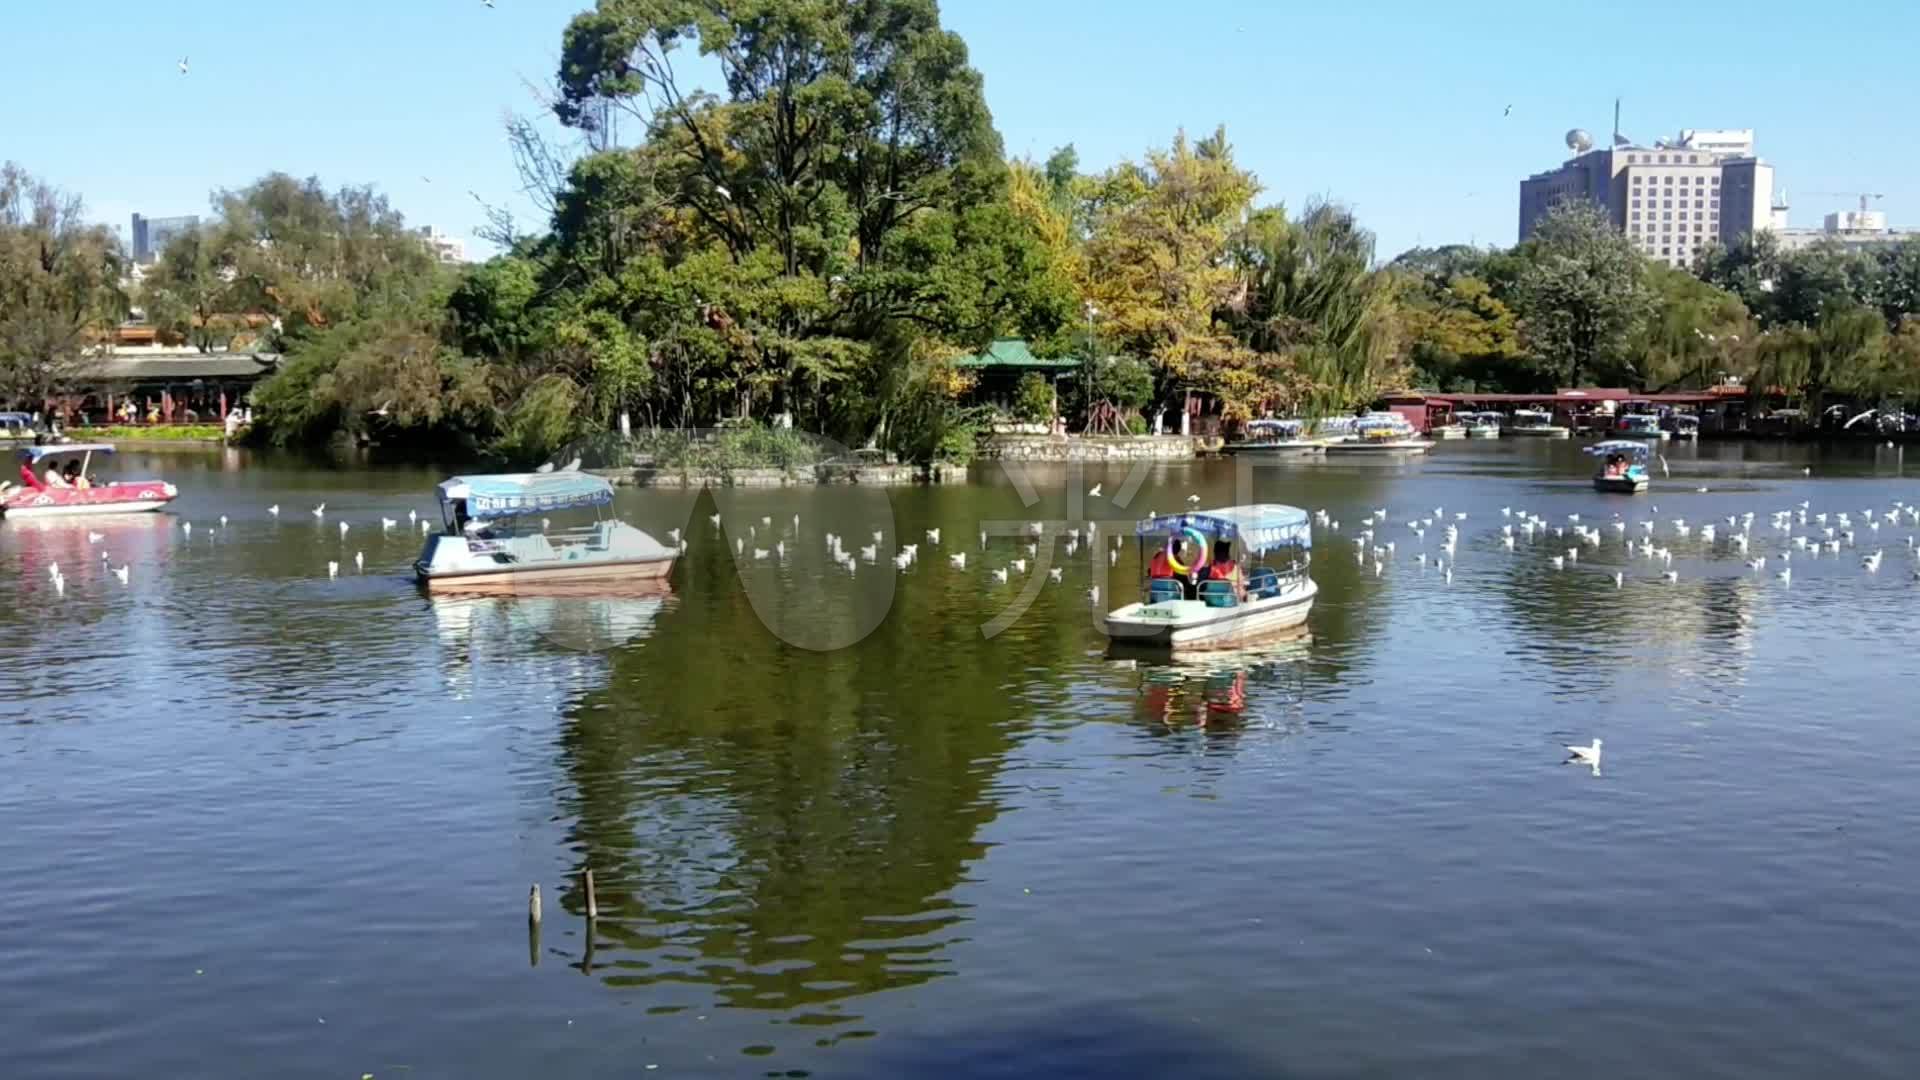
(264, 823)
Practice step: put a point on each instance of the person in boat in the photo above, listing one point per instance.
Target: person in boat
(27, 479)
(1223, 568)
(1161, 565)
(75, 478)
(53, 479)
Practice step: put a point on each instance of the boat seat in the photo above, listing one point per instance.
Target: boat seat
(1160, 590)
(1219, 594)
(1262, 582)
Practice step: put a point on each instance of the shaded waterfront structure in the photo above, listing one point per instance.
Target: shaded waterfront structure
(1720, 408)
(998, 369)
(168, 385)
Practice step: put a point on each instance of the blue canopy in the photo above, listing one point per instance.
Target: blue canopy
(1259, 527)
(1632, 448)
(35, 453)
(511, 494)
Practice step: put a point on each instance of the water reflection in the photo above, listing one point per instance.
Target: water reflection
(1221, 690)
(585, 619)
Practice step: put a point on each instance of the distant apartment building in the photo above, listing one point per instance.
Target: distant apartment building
(151, 235)
(1861, 228)
(1672, 199)
(448, 249)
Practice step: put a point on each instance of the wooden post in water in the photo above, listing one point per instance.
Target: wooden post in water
(593, 902)
(533, 926)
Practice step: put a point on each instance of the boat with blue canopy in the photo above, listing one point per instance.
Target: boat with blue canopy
(1269, 437)
(1382, 434)
(1640, 425)
(1623, 465)
(497, 536)
(1193, 600)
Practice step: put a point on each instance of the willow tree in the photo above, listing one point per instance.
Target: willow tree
(1694, 333)
(1314, 300)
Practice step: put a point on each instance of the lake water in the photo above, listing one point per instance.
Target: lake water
(258, 822)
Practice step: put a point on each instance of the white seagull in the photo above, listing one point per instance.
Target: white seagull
(1093, 492)
(959, 560)
(333, 569)
(1585, 755)
(122, 573)
(320, 511)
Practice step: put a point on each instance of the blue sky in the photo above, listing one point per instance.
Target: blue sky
(1393, 107)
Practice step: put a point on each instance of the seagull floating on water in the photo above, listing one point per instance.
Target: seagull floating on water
(122, 573)
(274, 509)
(1093, 492)
(1586, 755)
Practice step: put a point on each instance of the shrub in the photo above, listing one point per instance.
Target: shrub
(1033, 398)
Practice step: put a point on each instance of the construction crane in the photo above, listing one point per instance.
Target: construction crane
(1863, 196)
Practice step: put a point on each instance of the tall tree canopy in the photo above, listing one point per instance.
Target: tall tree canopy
(1582, 293)
(59, 288)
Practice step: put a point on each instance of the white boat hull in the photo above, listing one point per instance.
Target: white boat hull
(1620, 485)
(1293, 449)
(141, 506)
(1382, 448)
(1191, 624)
(1539, 433)
(1447, 431)
(525, 579)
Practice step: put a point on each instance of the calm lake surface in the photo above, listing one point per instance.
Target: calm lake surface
(262, 823)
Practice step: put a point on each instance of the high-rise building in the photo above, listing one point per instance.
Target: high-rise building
(151, 235)
(1672, 199)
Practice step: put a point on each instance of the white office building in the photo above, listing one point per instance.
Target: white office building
(448, 249)
(1672, 199)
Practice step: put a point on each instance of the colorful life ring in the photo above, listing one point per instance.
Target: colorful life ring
(1199, 541)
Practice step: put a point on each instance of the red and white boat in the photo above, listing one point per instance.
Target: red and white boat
(31, 496)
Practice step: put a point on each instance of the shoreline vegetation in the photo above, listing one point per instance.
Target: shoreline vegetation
(820, 241)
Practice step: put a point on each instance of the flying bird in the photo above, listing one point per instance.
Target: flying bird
(1093, 492)
(1586, 755)
(1508, 111)
(183, 65)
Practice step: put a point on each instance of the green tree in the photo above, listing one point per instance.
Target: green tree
(308, 257)
(59, 289)
(1581, 293)
(190, 293)
(1318, 319)
(1696, 333)
(1156, 260)
(1460, 336)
